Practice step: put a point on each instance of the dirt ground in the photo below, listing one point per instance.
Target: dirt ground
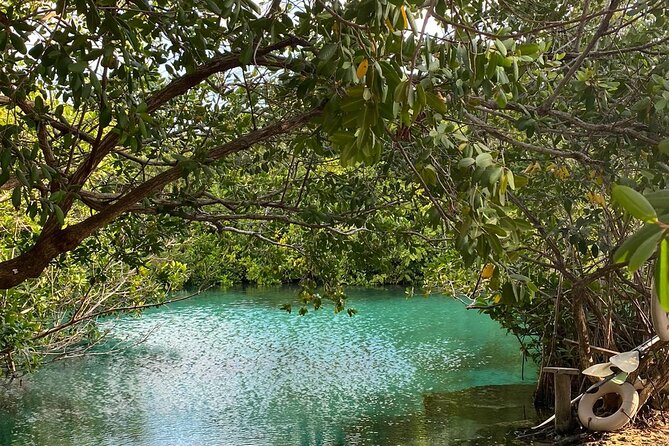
(649, 429)
(651, 432)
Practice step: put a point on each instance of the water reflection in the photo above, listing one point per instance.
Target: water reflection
(230, 369)
(480, 415)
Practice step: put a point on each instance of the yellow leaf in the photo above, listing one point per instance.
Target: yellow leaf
(404, 16)
(562, 172)
(535, 167)
(497, 298)
(487, 271)
(595, 198)
(362, 69)
(390, 26)
(503, 183)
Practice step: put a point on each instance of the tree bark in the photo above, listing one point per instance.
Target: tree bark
(58, 241)
(581, 322)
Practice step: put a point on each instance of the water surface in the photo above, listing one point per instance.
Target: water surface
(229, 368)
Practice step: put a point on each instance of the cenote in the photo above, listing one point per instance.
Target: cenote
(230, 368)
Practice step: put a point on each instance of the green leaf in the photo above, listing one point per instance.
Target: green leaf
(105, 117)
(502, 78)
(500, 47)
(36, 51)
(521, 181)
(493, 229)
(500, 98)
(494, 173)
(644, 251)
(429, 175)
(630, 245)
(663, 146)
(435, 102)
(400, 93)
(421, 98)
(641, 104)
(327, 51)
(57, 196)
(634, 203)
(16, 197)
(341, 138)
(466, 162)
(484, 160)
(59, 214)
(528, 48)
(390, 74)
(619, 378)
(18, 43)
(662, 275)
(658, 199)
(213, 7)
(78, 67)
(510, 179)
(352, 104)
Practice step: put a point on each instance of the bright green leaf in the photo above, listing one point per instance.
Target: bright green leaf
(484, 160)
(644, 251)
(631, 244)
(500, 47)
(634, 203)
(662, 275)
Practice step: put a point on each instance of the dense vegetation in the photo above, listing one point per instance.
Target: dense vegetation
(152, 144)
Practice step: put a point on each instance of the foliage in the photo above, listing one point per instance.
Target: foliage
(55, 316)
(355, 142)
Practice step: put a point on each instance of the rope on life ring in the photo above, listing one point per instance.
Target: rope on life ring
(659, 317)
(615, 421)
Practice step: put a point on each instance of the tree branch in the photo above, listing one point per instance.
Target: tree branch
(48, 246)
(624, 127)
(580, 156)
(174, 89)
(577, 63)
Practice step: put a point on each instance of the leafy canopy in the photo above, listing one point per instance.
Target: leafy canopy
(495, 127)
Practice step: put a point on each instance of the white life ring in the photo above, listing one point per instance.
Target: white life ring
(622, 416)
(659, 316)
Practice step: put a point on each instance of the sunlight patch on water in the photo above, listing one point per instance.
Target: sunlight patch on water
(230, 368)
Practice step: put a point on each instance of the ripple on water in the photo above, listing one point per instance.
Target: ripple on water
(230, 368)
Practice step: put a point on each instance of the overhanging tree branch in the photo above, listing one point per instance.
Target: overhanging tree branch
(627, 127)
(580, 156)
(548, 103)
(174, 89)
(32, 263)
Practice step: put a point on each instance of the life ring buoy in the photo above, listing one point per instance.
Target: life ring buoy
(622, 416)
(659, 317)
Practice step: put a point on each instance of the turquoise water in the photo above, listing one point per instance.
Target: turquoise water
(229, 368)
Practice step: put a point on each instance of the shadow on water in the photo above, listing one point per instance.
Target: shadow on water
(485, 415)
